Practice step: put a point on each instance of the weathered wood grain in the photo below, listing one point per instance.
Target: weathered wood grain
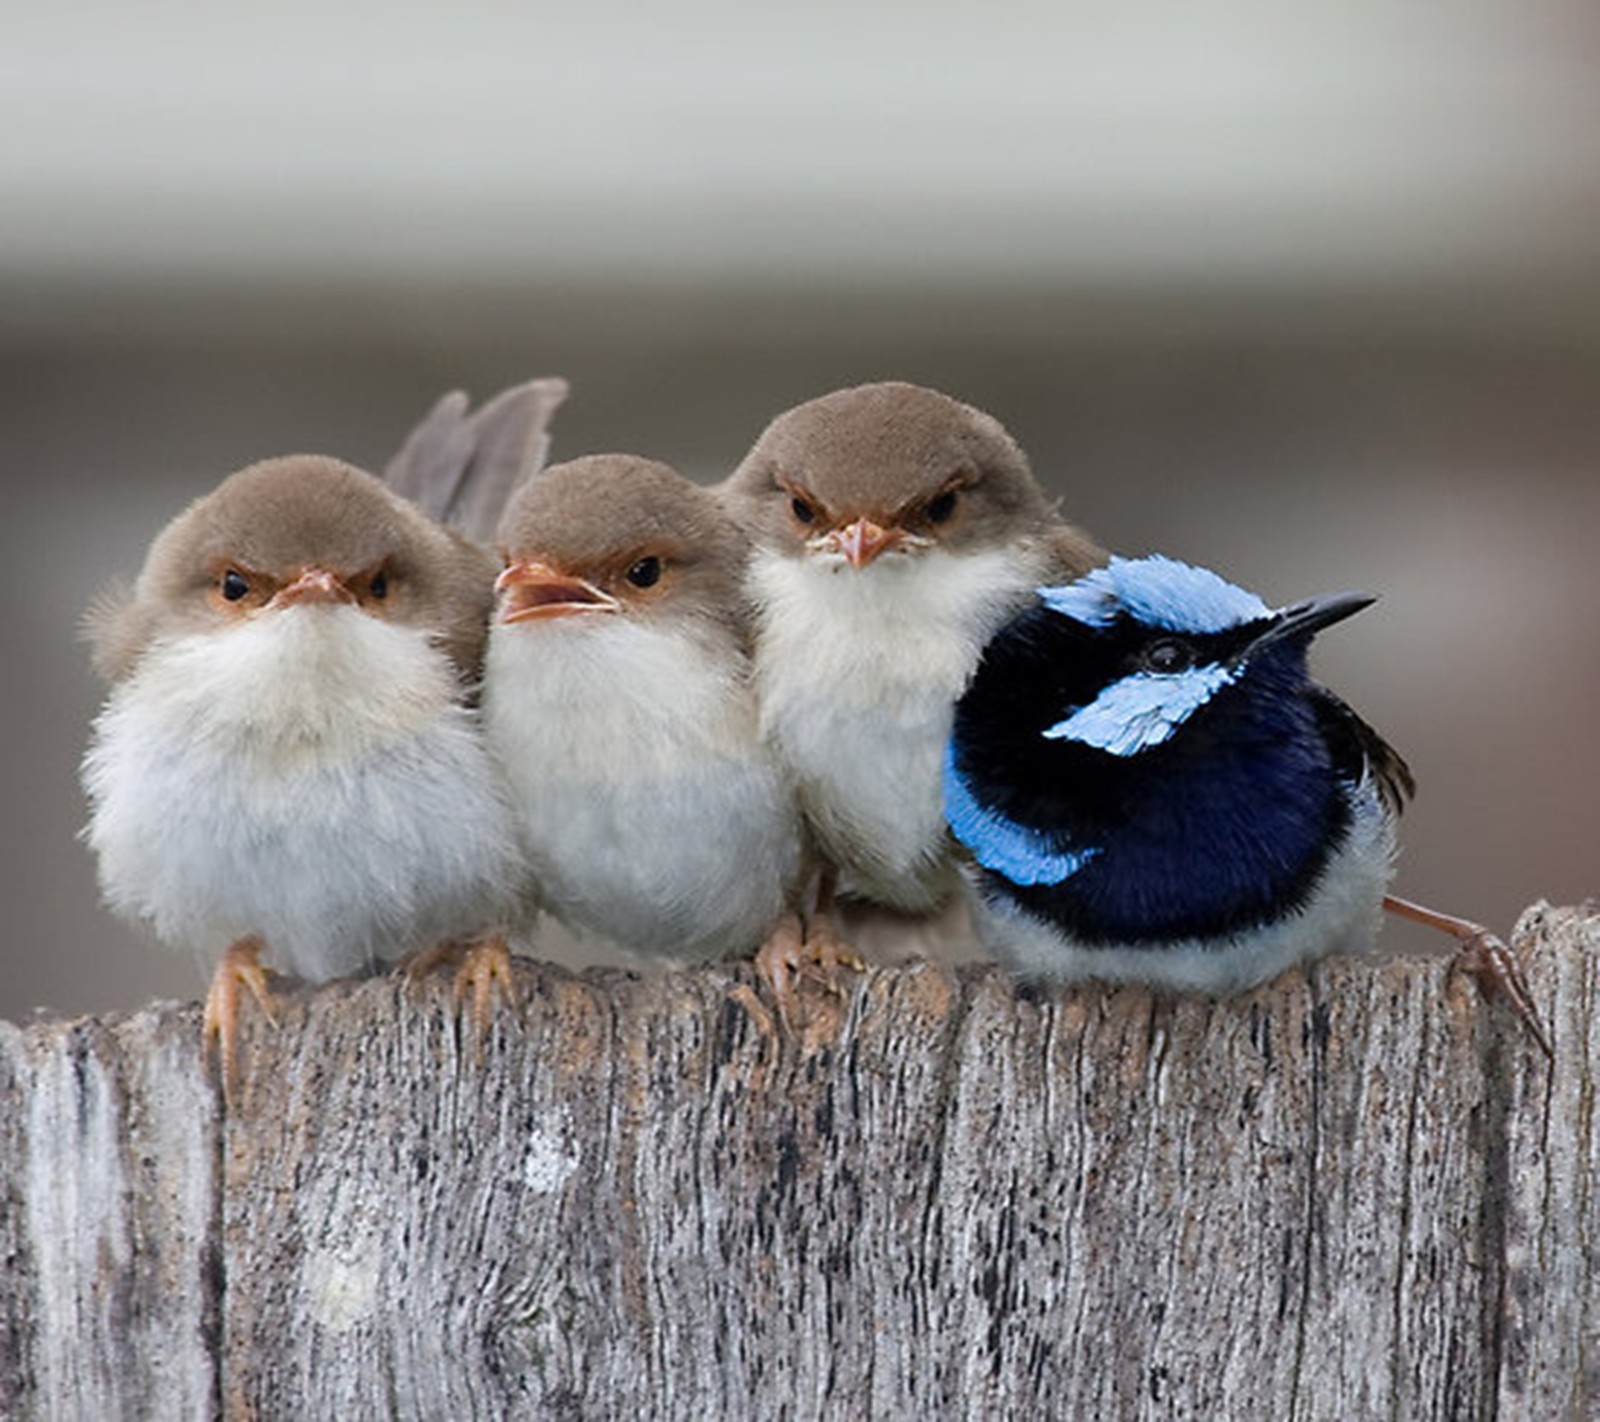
(110, 1301)
(1356, 1192)
(1549, 1171)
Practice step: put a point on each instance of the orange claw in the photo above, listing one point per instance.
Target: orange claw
(792, 956)
(826, 948)
(240, 967)
(779, 959)
(483, 969)
(1484, 957)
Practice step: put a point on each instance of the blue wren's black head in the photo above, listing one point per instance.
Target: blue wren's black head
(1153, 789)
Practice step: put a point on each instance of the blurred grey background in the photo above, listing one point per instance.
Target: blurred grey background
(1310, 297)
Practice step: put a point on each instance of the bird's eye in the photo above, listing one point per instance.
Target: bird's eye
(940, 510)
(802, 510)
(234, 585)
(1168, 656)
(379, 586)
(646, 573)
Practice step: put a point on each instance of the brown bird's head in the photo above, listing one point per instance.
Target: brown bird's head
(304, 530)
(617, 535)
(887, 469)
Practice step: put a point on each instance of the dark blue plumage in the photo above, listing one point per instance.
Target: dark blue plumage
(1151, 786)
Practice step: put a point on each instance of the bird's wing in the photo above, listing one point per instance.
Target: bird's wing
(462, 467)
(1359, 750)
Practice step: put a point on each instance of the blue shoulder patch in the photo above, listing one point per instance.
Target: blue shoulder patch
(1158, 592)
(1011, 850)
(1143, 709)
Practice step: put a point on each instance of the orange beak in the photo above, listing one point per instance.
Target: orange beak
(314, 587)
(529, 590)
(863, 540)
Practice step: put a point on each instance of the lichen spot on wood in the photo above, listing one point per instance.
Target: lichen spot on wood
(548, 1162)
(342, 1283)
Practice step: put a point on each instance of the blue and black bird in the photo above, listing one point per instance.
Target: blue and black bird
(1153, 789)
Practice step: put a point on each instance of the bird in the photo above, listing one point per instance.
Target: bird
(286, 763)
(895, 529)
(619, 700)
(1151, 788)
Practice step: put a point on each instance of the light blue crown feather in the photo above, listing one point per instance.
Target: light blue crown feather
(1159, 592)
(1022, 855)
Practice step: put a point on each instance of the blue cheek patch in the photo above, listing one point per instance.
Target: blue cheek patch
(1142, 710)
(1018, 854)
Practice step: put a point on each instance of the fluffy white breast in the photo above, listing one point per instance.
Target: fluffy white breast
(297, 687)
(653, 814)
(342, 805)
(859, 671)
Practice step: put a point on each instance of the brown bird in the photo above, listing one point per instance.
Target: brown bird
(618, 698)
(287, 760)
(896, 530)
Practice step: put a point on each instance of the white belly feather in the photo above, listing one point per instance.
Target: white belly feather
(859, 672)
(309, 778)
(653, 815)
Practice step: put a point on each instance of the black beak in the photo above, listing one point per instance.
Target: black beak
(1306, 619)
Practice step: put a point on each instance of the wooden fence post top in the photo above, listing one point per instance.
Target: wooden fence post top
(1356, 1191)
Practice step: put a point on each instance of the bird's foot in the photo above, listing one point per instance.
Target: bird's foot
(239, 969)
(779, 959)
(1485, 958)
(828, 956)
(803, 969)
(483, 976)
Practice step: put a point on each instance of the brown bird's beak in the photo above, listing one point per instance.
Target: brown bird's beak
(528, 590)
(863, 540)
(314, 587)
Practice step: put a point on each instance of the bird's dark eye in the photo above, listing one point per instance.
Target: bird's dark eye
(1168, 656)
(942, 507)
(646, 573)
(802, 510)
(234, 585)
(379, 586)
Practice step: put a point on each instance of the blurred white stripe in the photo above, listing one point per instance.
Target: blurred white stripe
(1158, 138)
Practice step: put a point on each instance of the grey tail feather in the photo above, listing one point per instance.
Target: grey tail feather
(435, 454)
(462, 468)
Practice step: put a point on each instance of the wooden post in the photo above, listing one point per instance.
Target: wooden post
(1357, 1192)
